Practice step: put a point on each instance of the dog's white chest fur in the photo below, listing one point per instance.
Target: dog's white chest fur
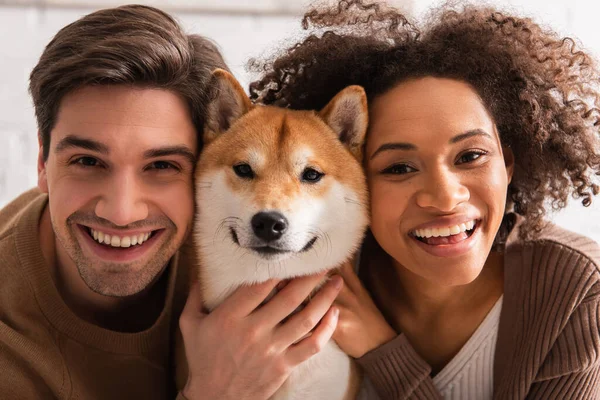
(327, 375)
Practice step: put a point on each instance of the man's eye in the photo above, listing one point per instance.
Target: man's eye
(86, 162)
(163, 165)
(470, 157)
(399, 169)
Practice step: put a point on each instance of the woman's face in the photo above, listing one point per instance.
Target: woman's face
(438, 178)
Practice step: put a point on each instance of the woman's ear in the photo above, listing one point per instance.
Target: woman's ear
(509, 162)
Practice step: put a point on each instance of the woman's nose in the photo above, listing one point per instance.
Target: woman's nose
(443, 191)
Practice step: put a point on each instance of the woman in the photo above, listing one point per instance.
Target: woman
(479, 121)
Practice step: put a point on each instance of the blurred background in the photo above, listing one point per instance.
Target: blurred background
(242, 29)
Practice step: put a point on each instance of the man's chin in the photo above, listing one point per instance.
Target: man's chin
(118, 288)
(120, 280)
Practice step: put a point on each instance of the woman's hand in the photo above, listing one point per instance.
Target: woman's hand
(361, 326)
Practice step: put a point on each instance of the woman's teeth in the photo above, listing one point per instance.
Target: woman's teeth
(444, 232)
(119, 241)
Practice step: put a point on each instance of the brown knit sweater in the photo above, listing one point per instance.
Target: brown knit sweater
(47, 352)
(548, 344)
(549, 335)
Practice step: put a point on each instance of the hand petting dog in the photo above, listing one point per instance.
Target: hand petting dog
(245, 348)
(361, 326)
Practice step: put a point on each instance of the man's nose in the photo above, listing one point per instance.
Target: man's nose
(122, 202)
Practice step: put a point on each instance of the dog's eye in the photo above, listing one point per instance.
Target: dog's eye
(243, 171)
(311, 175)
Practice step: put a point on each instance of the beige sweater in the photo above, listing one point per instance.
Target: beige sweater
(46, 352)
(549, 335)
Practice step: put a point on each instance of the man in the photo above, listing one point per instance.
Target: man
(94, 261)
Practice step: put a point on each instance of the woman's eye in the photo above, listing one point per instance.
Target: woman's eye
(243, 171)
(86, 161)
(470, 157)
(399, 169)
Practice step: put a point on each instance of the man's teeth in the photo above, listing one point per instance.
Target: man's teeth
(442, 232)
(119, 241)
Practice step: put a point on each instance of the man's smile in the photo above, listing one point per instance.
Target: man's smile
(124, 240)
(119, 248)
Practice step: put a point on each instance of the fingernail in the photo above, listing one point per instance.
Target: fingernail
(337, 281)
(336, 312)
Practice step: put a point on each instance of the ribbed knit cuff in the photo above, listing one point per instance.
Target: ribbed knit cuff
(398, 372)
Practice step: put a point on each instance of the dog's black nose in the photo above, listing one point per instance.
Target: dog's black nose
(269, 226)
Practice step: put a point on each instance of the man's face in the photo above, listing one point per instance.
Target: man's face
(119, 179)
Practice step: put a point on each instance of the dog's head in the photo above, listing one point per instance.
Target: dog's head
(280, 193)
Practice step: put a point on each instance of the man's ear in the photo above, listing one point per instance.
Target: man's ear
(509, 162)
(347, 114)
(41, 167)
(229, 102)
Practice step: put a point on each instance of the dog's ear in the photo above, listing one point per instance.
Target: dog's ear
(347, 114)
(228, 103)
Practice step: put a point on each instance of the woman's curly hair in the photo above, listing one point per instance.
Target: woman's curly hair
(541, 90)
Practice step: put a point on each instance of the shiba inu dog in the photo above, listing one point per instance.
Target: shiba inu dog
(281, 194)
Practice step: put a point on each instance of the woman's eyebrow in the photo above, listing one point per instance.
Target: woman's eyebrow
(410, 147)
(394, 146)
(471, 133)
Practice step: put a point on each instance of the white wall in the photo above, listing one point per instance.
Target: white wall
(26, 29)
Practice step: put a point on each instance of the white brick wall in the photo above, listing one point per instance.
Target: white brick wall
(26, 29)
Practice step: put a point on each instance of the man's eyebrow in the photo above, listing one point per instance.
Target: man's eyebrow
(181, 150)
(471, 133)
(394, 146)
(73, 141)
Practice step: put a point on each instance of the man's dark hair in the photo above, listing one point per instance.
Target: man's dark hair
(129, 45)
